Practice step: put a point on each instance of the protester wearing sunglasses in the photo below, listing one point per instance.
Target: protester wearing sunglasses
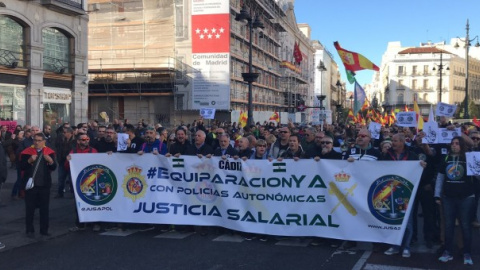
(363, 149)
(327, 149)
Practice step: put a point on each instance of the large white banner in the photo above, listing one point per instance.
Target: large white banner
(362, 201)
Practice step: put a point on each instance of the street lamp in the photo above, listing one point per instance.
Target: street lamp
(467, 45)
(351, 101)
(249, 76)
(321, 98)
(339, 97)
(440, 70)
(321, 68)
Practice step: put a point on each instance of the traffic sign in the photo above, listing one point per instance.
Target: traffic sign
(301, 107)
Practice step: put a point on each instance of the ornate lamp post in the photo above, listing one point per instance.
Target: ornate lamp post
(467, 41)
(440, 71)
(249, 76)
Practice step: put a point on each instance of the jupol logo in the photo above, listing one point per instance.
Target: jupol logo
(96, 184)
(389, 197)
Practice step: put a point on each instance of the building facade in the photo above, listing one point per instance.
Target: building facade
(141, 63)
(43, 61)
(430, 73)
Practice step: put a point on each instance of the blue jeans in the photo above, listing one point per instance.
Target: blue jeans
(63, 175)
(463, 209)
(407, 236)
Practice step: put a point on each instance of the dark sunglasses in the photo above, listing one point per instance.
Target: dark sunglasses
(326, 142)
(476, 138)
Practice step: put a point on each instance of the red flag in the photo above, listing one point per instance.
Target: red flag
(476, 121)
(297, 54)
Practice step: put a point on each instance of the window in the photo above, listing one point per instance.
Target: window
(414, 70)
(400, 98)
(181, 25)
(414, 84)
(425, 70)
(425, 84)
(12, 100)
(56, 56)
(11, 42)
(401, 70)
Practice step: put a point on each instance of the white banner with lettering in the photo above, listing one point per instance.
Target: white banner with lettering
(361, 200)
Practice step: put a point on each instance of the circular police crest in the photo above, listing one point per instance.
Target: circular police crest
(96, 184)
(134, 184)
(206, 195)
(455, 172)
(389, 197)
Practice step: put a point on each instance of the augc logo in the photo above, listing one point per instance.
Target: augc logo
(389, 198)
(96, 185)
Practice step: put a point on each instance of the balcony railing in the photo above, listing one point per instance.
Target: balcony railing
(11, 59)
(70, 7)
(56, 65)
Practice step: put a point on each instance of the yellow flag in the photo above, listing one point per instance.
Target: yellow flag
(419, 115)
(242, 121)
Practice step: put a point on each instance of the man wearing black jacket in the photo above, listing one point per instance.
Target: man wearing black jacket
(199, 148)
(181, 144)
(64, 144)
(134, 143)
(3, 167)
(244, 149)
(225, 149)
(38, 155)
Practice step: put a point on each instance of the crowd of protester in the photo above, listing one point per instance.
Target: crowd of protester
(445, 198)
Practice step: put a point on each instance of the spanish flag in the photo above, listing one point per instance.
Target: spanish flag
(354, 61)
(366, 104)
(418, 114)
(242, 121)
(275, 117)
(350, 116)
(393, 118)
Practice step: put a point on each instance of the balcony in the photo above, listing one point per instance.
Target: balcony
(69, 7)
